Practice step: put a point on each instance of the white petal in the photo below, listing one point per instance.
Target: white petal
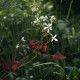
(51, 35)
(56, 39)
(51, 28)
(37, 18)
(49, 24)
(48, 31)
(35, 21)
(41, 17)
(45, 27)
(17, 46)
(51, 40)
(44, 19)
(45, 24)
(55, 35)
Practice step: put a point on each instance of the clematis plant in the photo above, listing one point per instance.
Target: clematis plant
(47, 27)
(39, 47)
(54, 38)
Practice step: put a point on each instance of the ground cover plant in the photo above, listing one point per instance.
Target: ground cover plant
(39, 40)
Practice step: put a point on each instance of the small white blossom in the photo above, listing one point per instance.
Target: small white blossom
(48, 27)
(5, 17)
(17, 46)
(37, 21)
(12, 15)
(53, 18)
(45, 18)
(42, 17)
(31, 76)
(54, 38)
(50, 7)
(44, 24)
(22, 39)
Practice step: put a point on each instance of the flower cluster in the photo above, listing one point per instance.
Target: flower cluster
(39, 47)
(18, 45)
(44, 19)
(46, 24)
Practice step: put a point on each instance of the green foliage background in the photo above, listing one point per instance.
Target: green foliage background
(16, 17)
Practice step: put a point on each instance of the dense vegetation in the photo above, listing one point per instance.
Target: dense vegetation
(27, 51)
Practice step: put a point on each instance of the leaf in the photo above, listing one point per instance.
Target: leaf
(34, 45)
(5, 64)
(15, 66)
(58, 56)
(45, 48)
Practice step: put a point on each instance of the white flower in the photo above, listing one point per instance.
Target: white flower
(45, 18)
(53, 18)
(5, 17)
(50, 7)
(42, 17)
(12, 15)
(31, 76)
(22, 39)
(48, 27)
(44, 24)
(17, 46)
(54, 38)
(37, 20)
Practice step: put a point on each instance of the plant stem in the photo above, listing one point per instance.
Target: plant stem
(28, 61)
(69, 9)
(5, 77)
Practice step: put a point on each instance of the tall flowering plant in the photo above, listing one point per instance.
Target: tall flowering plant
(45, 24)
(38, 47)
